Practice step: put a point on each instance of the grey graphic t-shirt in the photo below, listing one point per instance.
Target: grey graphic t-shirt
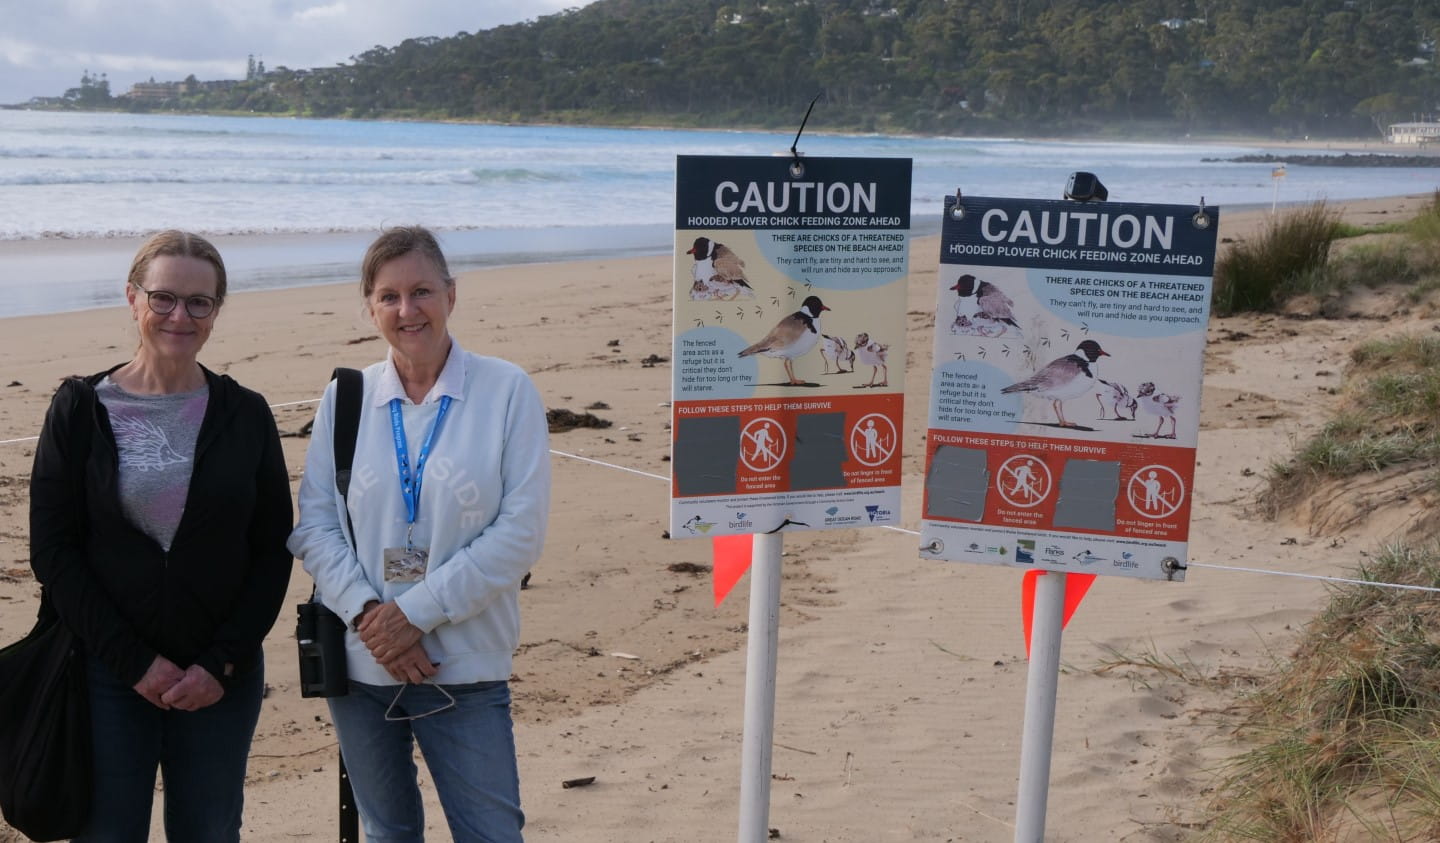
(156, 438)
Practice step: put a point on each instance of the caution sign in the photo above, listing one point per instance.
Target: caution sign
(789, 331)
(1064, 404)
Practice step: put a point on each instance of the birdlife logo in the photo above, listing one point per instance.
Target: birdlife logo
(741, 522)
(878, 515)
(1025, 551)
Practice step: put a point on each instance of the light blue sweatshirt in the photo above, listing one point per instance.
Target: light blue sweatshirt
(484, 504)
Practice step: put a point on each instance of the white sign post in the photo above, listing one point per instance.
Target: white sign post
(1042, 683)
(760, 671)
(1064, 414)
(790, 279)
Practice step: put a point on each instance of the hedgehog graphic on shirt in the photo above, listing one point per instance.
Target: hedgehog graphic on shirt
(143, 445)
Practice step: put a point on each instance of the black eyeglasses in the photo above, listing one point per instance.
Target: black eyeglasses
(162, 303)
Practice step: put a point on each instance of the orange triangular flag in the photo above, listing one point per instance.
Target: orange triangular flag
(1075, 587)
(732, 560)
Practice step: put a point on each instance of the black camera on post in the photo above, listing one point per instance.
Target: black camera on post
(1085, 187)
(320, 635)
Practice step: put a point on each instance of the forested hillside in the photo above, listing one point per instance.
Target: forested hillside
(1289, 67)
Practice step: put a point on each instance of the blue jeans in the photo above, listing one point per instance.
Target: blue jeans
(470, 750)
(200, 754)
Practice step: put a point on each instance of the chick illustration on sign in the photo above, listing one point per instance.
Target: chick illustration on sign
(836, 350)
(873, 354)
(1162, 406)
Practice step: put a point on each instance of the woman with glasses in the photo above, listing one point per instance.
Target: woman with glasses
(159, 509)
(447, 509)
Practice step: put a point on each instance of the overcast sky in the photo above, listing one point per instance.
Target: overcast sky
(46, 45)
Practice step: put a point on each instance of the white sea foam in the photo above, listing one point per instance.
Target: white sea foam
(507, 192)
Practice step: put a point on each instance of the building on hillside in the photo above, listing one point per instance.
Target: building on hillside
(1414, 133)
(153, 90)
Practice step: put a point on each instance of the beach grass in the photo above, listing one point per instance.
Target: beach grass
(1145, 668)
(1388, 413)
(1254, 275)
(1300, 254)
(1345, 737)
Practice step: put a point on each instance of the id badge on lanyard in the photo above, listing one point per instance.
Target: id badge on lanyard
(409, 563)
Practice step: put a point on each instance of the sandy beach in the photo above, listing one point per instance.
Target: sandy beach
(901, 681)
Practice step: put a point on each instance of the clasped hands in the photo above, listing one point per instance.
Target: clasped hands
(394, 642)
(166, 686)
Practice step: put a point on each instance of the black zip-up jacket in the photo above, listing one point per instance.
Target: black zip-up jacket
(213, 597)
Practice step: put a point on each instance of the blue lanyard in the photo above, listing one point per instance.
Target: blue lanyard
(410, 485)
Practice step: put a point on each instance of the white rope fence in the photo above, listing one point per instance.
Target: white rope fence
(663, 478)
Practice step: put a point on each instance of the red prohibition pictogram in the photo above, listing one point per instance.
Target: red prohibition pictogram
(1024, 481)
(1155, 491)
(873, 439)
(762, 444)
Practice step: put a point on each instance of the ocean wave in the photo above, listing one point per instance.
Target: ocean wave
(151, 152)
(119, 233)
(463, 176)
(112, 133)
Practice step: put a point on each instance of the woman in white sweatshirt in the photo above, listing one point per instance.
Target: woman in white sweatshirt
(448, 501)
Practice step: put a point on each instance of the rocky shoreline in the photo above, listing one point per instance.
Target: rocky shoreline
(1343, 160)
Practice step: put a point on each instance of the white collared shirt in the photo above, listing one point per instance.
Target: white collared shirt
(451, 381)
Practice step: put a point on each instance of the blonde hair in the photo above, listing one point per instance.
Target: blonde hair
(397, 242)
(175, 243)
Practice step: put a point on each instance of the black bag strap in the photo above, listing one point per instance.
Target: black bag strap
(349, 386)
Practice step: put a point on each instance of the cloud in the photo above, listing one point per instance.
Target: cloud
(333, 10)
(44, 50)
(20, 53)
(37, 58)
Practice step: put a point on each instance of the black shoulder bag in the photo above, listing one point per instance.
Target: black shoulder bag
(45, 738)
(319, 631)
(45, 742)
